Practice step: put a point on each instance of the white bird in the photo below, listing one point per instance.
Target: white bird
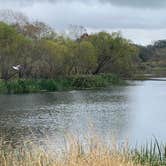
(18, 67)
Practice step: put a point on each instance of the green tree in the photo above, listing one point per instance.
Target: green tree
(125, 58)
(103, 44)
(8, 49)
(85, 57)
(53, 54)
(114, 53)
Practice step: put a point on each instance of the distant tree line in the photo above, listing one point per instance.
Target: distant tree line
(153, 58)
(40, 52)
(153, 52)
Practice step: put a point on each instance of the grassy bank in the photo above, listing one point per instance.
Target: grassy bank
(96, 154)
(59, 84)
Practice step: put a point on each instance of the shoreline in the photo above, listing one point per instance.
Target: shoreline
(83, 82)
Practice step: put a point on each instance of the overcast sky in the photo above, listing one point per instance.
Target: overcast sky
(142, 21)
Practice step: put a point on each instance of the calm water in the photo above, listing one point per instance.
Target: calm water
(136, 112)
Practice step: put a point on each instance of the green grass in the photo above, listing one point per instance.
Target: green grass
(153, 154)
(59, 84)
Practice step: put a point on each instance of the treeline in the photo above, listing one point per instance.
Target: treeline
(34, 50)
(153, 58)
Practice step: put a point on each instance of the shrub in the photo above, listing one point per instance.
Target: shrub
(59, 84)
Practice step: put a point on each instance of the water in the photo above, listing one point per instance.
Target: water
(136, 112)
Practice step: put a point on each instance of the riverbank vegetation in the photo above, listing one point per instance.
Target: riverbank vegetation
(95, 153)
(34, 51)
(59, 84)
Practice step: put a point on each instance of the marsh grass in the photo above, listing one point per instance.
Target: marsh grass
(59, 84)
(93, 153)
(153, 154)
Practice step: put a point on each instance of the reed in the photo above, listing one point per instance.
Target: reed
(152, 154)
(59, 84)
(96, 154)
(93, 153)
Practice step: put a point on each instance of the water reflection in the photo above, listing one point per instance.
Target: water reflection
(136, 112)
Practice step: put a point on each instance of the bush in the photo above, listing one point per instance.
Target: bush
(49, 85)
(95, 81)
(59, 84)
(3, 88)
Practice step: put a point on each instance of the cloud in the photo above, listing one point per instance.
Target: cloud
(96, 16)
(139, 20)
(138, 3)
(139, 36)
(123, 3)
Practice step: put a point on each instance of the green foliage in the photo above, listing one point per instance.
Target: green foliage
(125, 59)
(153, 59)
(115, 54)
(50, 85)
(85, 59)
(21, 86)
(59, 84)
(153, 154)
(88, 82)
(3, 88)
(92, 81)
(13, 49)
(42, 57)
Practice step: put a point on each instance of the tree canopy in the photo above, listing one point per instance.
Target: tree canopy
(43, 53)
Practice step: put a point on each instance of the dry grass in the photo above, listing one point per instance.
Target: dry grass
(96, 154)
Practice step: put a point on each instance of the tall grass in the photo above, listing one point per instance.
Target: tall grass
(95, 153)
(153, 154)
(63, 83)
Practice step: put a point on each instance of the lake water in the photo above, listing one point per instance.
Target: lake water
(136, 112)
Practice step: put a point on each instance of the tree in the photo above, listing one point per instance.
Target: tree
(43, 54)
(81, 57)
(114, 52)
(85, 57)
(54, 54)
(36, 30)
(13, 17)
(76, 31)
(103, 43)
(125, 59)
(12, 49)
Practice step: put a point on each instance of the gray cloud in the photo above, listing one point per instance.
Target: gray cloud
(131, 16)
(97, 16)
(126, 3)
(138, 3)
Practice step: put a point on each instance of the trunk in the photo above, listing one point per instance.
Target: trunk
(97, 70)
(101, 65)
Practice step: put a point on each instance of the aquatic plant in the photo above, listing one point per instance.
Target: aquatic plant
(59, 84)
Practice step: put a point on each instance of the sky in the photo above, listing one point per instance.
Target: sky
(142, 21)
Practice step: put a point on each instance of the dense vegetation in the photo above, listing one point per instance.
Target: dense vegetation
(59, 84)
(153, 58)
(33, 50)
(50, 56)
